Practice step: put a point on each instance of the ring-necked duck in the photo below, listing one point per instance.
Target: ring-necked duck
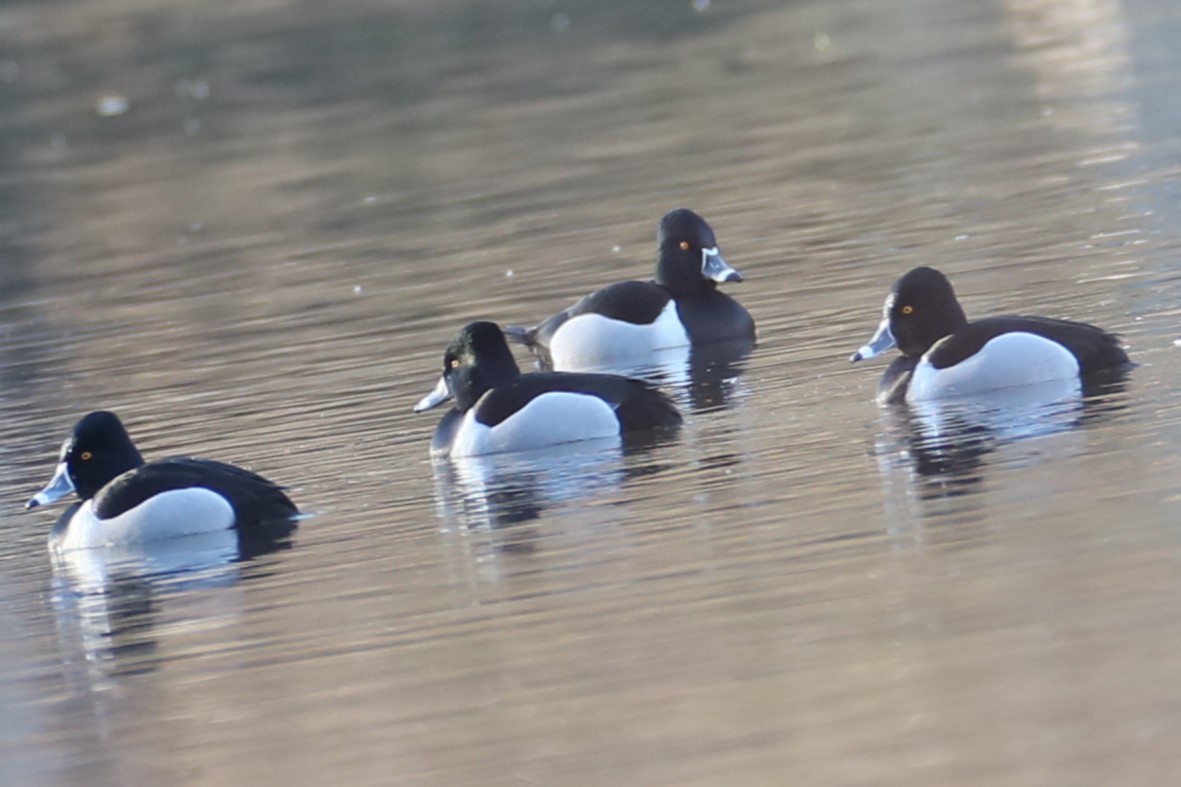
(123, 500)
(944, 355)
(681, 306)
(498, 409)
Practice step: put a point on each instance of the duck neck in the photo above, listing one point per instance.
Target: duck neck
(667, 266)
(950, 319)
(475, 381)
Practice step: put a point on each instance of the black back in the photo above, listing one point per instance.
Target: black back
(1094, 348)
(637, 302)
(637, 404)
(253, 498)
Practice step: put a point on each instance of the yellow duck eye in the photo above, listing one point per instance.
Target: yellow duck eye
(684, 245)
(85, 456)
(454, 364)
(907, 309)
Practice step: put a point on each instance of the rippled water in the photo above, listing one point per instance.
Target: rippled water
(251, 228)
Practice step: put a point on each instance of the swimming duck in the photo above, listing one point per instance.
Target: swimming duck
(680, 307)
(498, 409)
(125, 500)
(944, 355)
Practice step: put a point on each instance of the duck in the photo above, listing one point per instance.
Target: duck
(680, 307)
(944, 355)
(124, 500)
(497, 409)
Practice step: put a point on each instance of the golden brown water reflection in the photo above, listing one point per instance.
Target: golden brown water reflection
(262, 257)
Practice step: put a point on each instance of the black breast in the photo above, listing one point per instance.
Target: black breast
(896, 379)
(714, 317)
(445, 432)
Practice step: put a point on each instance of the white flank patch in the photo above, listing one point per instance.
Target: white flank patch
(590, 340)
(178, 512)
(1010, 359)
(549, 419)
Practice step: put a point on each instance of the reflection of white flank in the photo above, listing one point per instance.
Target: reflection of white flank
(1006, 414)
(91, 570)
(108, 604)
(484, 491)
(935, 454)
(490, 505)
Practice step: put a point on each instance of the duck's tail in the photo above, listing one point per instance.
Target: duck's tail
(521, 334)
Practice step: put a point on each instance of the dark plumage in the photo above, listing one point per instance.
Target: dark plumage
(481, 375)
(253, 498)
(100, 463)
(924, 319)
(1095, 348)
(688, 270)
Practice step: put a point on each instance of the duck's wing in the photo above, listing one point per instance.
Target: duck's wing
(637, 302)
(1094, 348)
(254, 498)
(637, 404)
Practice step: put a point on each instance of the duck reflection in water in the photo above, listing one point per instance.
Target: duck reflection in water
(502, 494)
(502, 490)
(108, 634)
(109, 603)
(942, 445)
(700, 378)
(199, 558)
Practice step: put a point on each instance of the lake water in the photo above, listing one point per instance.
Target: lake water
(250, 228)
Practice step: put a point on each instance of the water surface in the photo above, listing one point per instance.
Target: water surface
(251, 229)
